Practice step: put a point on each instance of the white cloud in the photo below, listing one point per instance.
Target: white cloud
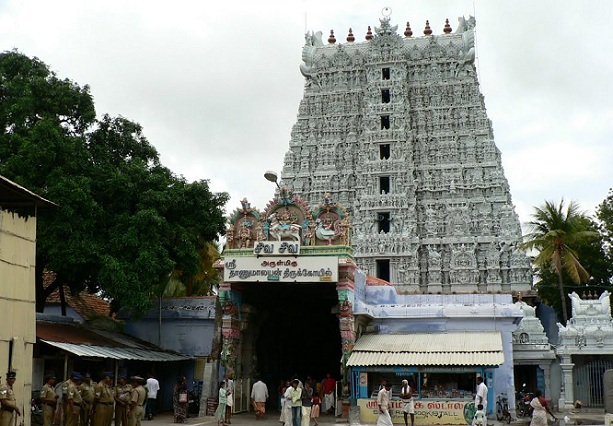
(216, 85)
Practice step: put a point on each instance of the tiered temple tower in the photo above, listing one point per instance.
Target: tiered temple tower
(395, 128)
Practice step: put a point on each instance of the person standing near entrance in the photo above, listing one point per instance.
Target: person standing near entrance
(296, 397)
(75, 401)
(8, 403)
(230, 396)
(307, 398)
(329, 386)
(383, 401)
(154, 386)
(259, 395)
(86, 389)
(102, 407)
(48, 398)
(406, 394)
(137, 400)
(481, 397)
(123, 392)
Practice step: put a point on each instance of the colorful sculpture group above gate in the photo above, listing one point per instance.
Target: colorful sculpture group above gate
(289, 218)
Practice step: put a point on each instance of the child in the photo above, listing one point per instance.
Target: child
(479, 415)
(316, 407)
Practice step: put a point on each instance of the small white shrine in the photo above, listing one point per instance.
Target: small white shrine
(587, 335)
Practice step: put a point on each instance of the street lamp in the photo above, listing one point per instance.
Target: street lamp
(272, 177)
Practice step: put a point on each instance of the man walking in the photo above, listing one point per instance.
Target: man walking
(153, 386)
(296, 397)
(307, 397)
(383, 401)
(329, 386)
(259, 395)
(406, 394)
(481, 397)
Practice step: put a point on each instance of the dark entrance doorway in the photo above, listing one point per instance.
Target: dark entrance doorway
(293, 331)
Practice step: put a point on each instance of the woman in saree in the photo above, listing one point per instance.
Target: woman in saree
(540, 409)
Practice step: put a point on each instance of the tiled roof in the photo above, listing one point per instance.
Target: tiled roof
(84, 303)
(374, 281)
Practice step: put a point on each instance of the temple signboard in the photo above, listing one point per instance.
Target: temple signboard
(276, 248)
(281, 269)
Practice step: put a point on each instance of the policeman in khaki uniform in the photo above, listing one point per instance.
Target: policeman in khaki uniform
(137, 401)
(7, 400)
(48, 398)
(87, 393)
(75, 401)
(104, 400)
(123, 394)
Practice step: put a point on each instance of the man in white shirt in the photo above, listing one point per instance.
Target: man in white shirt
(383, 401)
(153, 386)
(259, 395)
(481, 397)
(406, 394)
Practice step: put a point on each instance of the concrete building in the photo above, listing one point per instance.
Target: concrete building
(18, 214)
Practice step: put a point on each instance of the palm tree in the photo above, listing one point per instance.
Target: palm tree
(554, 232)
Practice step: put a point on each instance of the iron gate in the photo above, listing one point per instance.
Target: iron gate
(588, 382)
(242, 396)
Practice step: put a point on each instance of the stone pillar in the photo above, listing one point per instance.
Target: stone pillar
(547, 372)
(567, 394)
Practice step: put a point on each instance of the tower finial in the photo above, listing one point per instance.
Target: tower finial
(331, 39)
(369, 34)
(447, 29)
(427, 30)
(407, 31)
(350, 36)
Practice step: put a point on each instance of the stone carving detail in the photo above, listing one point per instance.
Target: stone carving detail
(396, 130)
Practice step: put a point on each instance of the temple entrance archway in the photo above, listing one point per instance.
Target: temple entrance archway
(294, 330)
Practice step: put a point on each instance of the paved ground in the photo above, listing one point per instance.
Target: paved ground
(584, 417)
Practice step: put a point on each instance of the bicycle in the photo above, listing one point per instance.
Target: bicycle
(502, 408)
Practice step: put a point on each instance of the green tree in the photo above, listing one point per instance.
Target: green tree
(555, 231)
(604, 213)
(593, 258)
(125, 222)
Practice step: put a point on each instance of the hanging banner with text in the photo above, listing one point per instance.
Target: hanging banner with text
(427, 412)
(271, 269)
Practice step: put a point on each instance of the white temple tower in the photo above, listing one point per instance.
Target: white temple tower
(395, 128)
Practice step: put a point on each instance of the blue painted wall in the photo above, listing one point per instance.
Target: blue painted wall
(187, 325)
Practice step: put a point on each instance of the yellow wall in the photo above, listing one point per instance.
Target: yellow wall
(17, 301)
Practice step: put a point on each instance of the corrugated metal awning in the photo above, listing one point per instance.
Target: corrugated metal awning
(461, 348)
(108, 352)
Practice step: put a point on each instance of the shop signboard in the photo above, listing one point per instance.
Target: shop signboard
(427, 412)
(281, 269)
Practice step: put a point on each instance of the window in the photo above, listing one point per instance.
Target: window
(383, 219)
(385, 74)
(385, 96)
(384, 185)
(384, 152)
(385, 122)
(383, 269)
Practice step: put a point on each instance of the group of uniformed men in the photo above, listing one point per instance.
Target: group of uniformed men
(84, 401)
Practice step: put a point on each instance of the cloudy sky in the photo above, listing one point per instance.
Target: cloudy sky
(216, 85)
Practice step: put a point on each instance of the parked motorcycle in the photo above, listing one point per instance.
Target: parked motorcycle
(522, 402)
(193, 399)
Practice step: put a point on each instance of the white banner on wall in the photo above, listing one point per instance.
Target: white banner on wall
(281, 269)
